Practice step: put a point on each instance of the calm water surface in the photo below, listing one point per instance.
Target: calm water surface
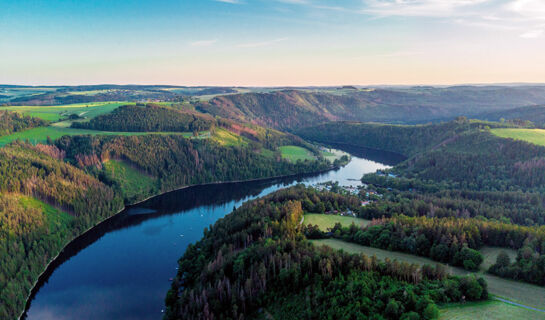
(121, 269)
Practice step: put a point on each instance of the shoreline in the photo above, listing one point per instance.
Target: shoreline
(126, 206)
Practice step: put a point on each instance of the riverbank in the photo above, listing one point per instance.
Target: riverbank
(44, 273)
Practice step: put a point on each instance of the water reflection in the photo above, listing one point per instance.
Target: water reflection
(120, 269)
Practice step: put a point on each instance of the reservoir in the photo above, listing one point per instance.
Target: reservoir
(121, 268)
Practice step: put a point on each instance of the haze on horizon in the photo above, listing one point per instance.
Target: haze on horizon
(272, 43)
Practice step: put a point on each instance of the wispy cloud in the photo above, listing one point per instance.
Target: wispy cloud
(203, 43)
(424, 8)
(260, 43)
(523, 16)
(230, 1)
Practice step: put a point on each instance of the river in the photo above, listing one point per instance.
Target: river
(121, 268)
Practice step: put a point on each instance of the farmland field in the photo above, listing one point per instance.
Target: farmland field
(55, 113)
(493, 310)
(325, 221)
(294, 153)
(520, 292)
(40, 134)
(535, 136)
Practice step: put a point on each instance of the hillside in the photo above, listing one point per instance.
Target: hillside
(535, 114)
(257, 262)
(147, 118)
(52, 193)
(290, 109)
(459, 170)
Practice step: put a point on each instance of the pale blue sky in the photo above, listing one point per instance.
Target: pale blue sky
(273, 42)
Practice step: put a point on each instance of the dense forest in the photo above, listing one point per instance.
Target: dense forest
(257, 260)
(49, 194)
(176, 161)
(457, 174)
(13, 122)
(44, 203)
(148, 118)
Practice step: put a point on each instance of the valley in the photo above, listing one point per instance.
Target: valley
(461, 184)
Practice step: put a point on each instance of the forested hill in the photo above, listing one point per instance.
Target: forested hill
(535, 114)
(460, 154)
(290, 109)
(13, 122)
(407, 140)
(174, 161)
(44, 204)
(50, 194)
(148, 118)
(257, 263)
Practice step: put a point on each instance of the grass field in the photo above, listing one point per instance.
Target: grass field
(55, 113)
(131, 181)
(520, 292)
(57, 219)
(325, 221)
(492, 310)
(491, 253)
(40, 134)
(294, 153)
(535, 136)
(228, 138)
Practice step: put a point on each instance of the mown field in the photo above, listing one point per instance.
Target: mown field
(56, 113)
(520, 292)
(490, 310)
(294, 153)
(535, 136)
(325, 221)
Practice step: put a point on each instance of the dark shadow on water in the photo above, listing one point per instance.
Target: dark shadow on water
(172, 202)
(183, 200)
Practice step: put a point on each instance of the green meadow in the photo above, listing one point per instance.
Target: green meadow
(40, 134)
(490, 310)
(327, 221)
(535, 136)
(56, 113)
(228, 138)
(519, 292)
(131, 181)
(294, 153)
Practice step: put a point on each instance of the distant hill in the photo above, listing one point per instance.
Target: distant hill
(536, 114)
(290, 109)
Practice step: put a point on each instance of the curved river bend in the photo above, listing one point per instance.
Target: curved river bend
(121, 268)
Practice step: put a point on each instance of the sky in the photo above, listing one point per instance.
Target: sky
(271, 42)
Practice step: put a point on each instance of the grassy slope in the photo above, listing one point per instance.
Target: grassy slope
(228, 138)
(524, 293)
(325, 221)
(492, 310)
(536, 136)
(131, 181)
(294, 153)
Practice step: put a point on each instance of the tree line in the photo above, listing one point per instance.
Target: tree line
(258, 257)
